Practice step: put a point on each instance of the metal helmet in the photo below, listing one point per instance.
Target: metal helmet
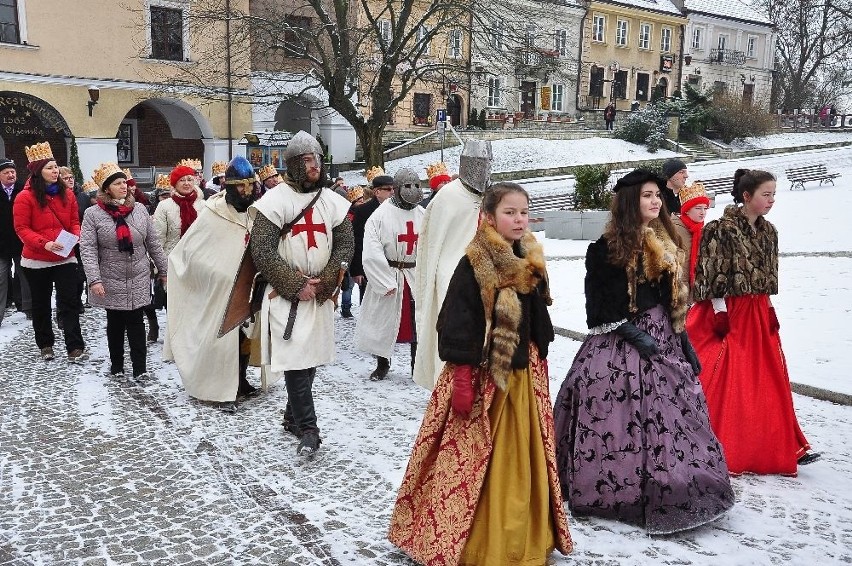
(239, 170)
(475, 165)
(300, 144)
(406, 187)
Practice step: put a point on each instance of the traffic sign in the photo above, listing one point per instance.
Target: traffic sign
(442, 115)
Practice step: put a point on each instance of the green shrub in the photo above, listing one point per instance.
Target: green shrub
(590, 189)
(482, 114)
(473, 117)
(647, 126)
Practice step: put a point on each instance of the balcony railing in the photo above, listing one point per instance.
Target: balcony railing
(727, 57)
(534, 61)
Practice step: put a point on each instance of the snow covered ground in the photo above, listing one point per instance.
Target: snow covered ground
(791, 139)
(94, 471)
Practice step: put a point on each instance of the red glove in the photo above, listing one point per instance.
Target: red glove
(462, 400)
(721, 324)
(774, 325)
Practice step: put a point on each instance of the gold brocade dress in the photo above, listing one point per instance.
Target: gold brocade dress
(513, 523)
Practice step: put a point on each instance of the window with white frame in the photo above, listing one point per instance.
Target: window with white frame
(723, 41)
(529, 37)
(621, 33)
(562, 42)
(751, 47)
(494, 92)
(384, 33)
(495, 35)
(666, 40)
(598, 28)
(697, 38)
(557, 95)
(13, 27)
(644, 36)
(422, 37)
(167, 30)
(456, 43)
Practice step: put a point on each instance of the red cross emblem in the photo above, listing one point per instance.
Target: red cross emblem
(310, 228)
(410, 237)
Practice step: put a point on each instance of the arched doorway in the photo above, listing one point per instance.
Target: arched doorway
(28, 120)
(454, 109)
(295, 114)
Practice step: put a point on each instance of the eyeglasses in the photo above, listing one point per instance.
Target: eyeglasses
(68, 178)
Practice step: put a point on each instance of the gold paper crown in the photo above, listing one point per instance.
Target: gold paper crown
(266, 172)
(89, 186)
(38, 152)
(191, 163)
(104, 171)
(695, 190)
(355, 193)
(439, 168)
(219, 168)
(163, 182)
(373, 172)
(127, 172)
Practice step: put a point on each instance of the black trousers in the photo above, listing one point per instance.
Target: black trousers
(119, 322)
(68, 304)
(300, 398)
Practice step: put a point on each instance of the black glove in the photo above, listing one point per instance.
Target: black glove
(689, 353)
(639, 339)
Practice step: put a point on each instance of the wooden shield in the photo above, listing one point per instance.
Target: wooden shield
(239, 308)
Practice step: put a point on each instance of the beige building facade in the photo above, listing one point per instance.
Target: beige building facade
(630, 51)
(112, 82)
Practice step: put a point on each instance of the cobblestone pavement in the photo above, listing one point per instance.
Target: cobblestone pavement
(99, 471)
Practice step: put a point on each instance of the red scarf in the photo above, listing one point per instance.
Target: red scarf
(694, 229)
(188, 214)
(122, 230)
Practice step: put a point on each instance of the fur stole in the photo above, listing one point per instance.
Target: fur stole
(660, 256)
(501, 276)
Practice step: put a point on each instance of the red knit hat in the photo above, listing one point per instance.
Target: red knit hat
(435, 181)
(179, 172)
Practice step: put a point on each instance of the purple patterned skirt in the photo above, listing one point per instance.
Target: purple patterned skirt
(634, 441)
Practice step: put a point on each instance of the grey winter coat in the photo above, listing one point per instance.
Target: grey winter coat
(125, 277)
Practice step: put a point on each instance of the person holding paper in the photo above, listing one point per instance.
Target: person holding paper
(46, 219)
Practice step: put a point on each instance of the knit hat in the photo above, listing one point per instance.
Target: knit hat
(672, 166)
(437, 173)
(179, 172)
(6, 164)
(131, 182)
(38, 156)
(691, 196)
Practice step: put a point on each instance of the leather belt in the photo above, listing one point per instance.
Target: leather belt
(401, 264)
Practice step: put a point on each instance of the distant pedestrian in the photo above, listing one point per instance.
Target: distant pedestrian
(117, 239)
(382, 186)
(675, 173)
(12, 289)
(736, 333)
(609, 116)
(481, 485)
(45, 212)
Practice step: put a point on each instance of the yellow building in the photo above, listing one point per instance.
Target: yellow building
(629, 51)
(106, 77)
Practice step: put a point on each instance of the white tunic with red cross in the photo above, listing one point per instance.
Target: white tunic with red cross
(390, 234)
(307, 248)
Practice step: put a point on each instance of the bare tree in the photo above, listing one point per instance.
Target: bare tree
(365, 57)
(813, 50)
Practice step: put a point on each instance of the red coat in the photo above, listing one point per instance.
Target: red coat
(36, 225)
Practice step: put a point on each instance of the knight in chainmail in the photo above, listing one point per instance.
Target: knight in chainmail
(389, 258)
(300, 241)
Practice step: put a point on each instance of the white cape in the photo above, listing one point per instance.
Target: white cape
(312, 341)
(202, 267)
(378, 322)
(448, 227)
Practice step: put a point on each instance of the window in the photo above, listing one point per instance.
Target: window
(642, 90)
(562, 42)
(294, 35)
(127, 142)
(723, 41)
(422, 108)
(596, 81)
(619, 85)
(167, 33)
(621, 33)
(751, 49)
(422, 37)
(456, 43)
(529, 37)
(666, 40)
(495, 35)
(644, 36)
(494, 94)
(384, 33)
(598, 28)
(697, 38)
(557, 93)
(10, 29)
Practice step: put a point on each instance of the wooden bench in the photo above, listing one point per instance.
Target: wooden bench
(713, 187)
(560, 201)
(801, 175)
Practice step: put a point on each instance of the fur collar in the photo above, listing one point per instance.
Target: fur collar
(660, 256)
(103, 197)
(501, 276)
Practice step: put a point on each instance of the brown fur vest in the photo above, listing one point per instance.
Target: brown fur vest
(501, 276)
(660, 256)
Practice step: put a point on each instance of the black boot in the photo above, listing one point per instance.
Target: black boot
(153, 325)
(300, 393)
(413, 355)
(245, 389)
(289, 423)
(381, 370)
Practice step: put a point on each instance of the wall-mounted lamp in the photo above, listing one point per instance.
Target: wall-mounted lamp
(94, 94)
(742, 78)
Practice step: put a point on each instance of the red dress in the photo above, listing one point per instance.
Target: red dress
(747, 386)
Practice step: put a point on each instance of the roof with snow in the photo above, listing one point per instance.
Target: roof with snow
(664, 6)
(736, 9)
